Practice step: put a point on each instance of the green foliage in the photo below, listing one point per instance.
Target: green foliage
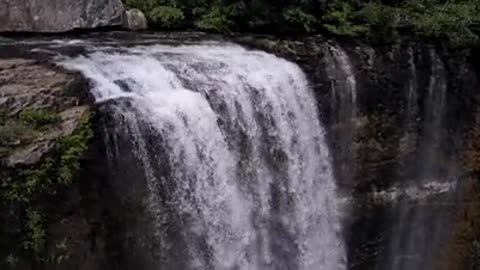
(148, 5)
(381, 22)
(53, 172)
(166, 17)
(23, 192)
(35, 232)
(300, 19)
(341, 21)
(215, 20)
(31, 183)
(72, 148)
(456, 21)
(40, 117)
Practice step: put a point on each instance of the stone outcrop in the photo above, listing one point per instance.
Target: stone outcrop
(135, 20)
(44, 135)
(51, 16)
(26, 87)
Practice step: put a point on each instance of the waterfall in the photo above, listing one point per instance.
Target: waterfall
(232, 150)
(420, 229)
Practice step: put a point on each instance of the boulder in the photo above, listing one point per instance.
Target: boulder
(54, 16)
(135, 20)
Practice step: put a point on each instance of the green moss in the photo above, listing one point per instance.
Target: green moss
(15, 132)
(39, 118)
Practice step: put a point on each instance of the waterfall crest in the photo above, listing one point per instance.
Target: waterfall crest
(245, 170)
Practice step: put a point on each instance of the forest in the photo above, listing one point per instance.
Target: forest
(453, 21)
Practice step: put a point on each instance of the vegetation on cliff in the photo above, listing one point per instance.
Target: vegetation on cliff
(456, 21)
(25, 190)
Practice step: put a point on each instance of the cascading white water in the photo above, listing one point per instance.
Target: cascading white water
(250, 177)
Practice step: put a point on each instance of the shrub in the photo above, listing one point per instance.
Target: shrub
(166, 17)
(381, 21)
(454, 22)
(340, 21)
(216, 20)
(300, 20)
(40, 117)
(35, 232)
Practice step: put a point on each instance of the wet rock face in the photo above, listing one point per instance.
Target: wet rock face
(58, 16)
(386, 106)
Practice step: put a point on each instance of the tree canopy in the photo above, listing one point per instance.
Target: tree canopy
(456, 21)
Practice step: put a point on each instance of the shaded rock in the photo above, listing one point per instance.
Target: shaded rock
(135, 20)
(58, 16)
(31, 154)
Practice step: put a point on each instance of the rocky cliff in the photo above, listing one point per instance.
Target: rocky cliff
(401, 119)
(45, 133)
(59, 16)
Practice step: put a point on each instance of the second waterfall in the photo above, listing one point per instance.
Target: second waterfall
(232, 153)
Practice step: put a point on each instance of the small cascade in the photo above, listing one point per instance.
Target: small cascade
(343, 83)
(343, 87)
(434, 117)
(233, 153)
(412, 99)
(407, 144)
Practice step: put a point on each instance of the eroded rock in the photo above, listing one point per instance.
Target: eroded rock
(59, 16)
(26, 85)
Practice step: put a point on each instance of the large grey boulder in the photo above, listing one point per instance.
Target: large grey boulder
(59, 15)
(135, 20)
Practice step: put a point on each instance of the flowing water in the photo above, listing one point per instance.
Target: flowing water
(343, 87)
(421, 229)
(343, 84)
(233, 151)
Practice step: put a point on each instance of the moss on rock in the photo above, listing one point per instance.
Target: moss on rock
(24, 192)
